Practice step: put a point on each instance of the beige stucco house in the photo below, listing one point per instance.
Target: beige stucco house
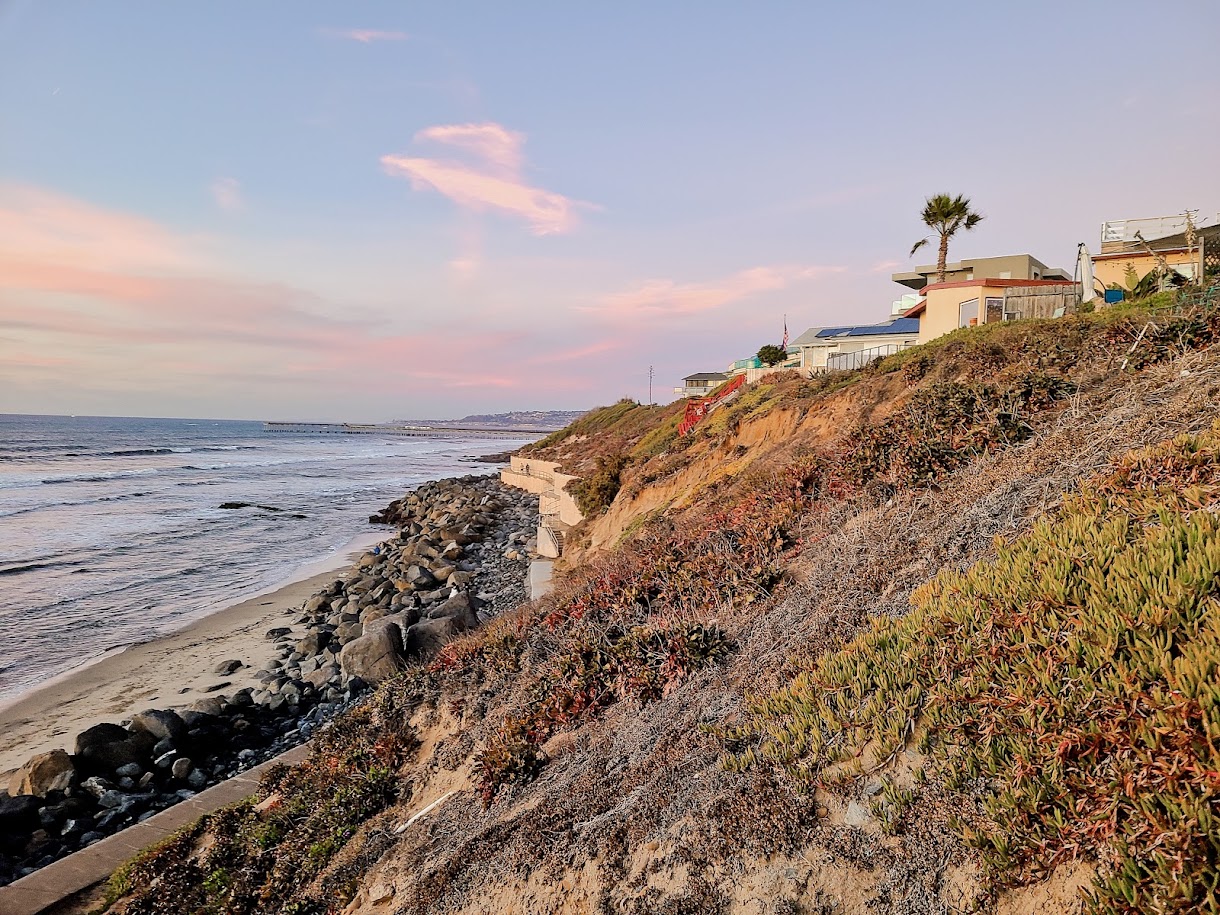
(948, 306)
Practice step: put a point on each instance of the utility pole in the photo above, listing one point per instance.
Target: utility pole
(650, 400)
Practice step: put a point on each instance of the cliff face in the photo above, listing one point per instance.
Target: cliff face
(729, 705)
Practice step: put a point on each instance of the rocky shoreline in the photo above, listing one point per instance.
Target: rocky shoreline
(461, 557)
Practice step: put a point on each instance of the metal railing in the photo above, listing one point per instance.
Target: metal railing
(697, 409)
(1122, 231)
(836, 362)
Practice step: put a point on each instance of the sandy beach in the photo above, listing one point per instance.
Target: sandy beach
(168, 673)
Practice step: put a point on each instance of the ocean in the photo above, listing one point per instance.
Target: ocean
(111, 530)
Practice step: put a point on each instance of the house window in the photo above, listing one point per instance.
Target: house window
(968, 313)
(995, 309)
(970, 275)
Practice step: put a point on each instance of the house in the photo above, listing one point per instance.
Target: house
(1124, 259)
(1008, 267)
(754, 369)
(824, 349)
(700, 384)
(948, 306)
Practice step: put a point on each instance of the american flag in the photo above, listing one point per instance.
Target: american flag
(785, 343)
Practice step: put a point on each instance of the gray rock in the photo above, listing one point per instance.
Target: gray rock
(112, 799)
(376, 655)
(316, 603)
(181, 768)
(427, 637)
(457, 608)
(161, 724)
(225, 668)
(420, 578)
(196, 779)
(108, 746)
(97, 786)
(313, 642)
(856, 815)
(131, 770)
(323, 675)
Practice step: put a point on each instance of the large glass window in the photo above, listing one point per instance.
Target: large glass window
(968, 313)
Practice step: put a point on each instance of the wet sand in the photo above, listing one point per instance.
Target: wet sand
(169, 672)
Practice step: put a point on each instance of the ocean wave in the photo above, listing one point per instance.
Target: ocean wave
(101, 477)
(32, 565)
(34, 453)
(44, 506)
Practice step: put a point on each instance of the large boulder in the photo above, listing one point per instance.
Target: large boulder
(107, 746)
(43, 774)
(420, 578)
(458, 609)
(427, 637)
(376, 655)
(315, 641)
(161, 724)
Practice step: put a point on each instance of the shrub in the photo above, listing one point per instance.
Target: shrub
(595, 492)
(1075, 674)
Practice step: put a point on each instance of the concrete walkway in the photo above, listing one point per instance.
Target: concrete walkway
(540, 578)
(90, 866)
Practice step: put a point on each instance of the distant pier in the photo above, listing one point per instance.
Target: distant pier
(418, 431)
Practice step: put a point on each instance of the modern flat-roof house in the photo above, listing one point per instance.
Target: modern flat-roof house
(824, 349)
(1124, 257)
(701, 384)
(948, 306)
(1008, 267)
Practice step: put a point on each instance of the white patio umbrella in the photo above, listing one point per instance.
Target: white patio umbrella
(1084, 270)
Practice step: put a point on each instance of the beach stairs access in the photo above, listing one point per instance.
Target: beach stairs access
(699, 407)
(551, 530)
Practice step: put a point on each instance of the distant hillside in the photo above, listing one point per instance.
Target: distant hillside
(540, 420)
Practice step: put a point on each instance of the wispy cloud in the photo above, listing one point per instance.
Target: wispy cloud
(79, 278)
(365, 36)
(227, 194)
(666, 297)
(884, 266)
(489, 179)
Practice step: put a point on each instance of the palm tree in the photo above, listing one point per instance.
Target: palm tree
(945, 215)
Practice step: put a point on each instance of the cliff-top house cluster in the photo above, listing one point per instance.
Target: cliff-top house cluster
(1006, 288)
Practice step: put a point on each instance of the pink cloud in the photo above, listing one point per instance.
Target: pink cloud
(492, 182)
(498, 146)
(666, 297)
(884, 266)
(41, 225)
(227, 194)
(366, 36)
(98, 304)
(578, 353)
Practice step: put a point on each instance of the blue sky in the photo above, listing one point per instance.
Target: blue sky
(376, 210)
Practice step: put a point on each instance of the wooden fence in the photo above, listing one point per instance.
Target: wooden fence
(1038, 302)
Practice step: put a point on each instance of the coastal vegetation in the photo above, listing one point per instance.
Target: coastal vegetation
(934, 635)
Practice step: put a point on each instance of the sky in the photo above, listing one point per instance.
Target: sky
(369, 211)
